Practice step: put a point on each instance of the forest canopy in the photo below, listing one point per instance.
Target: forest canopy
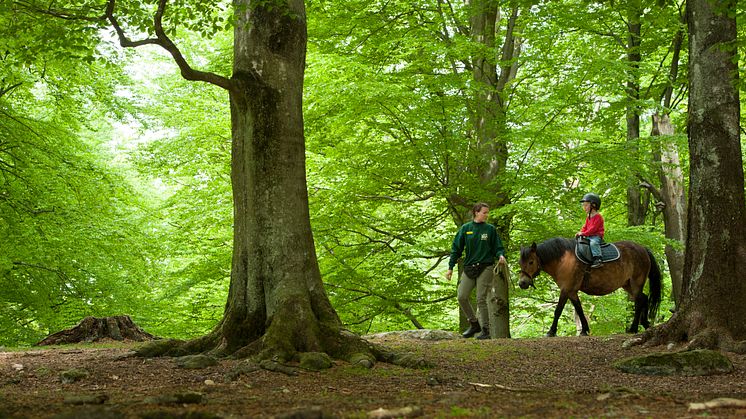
(115, 194)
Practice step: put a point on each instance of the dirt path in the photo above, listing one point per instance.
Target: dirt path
(557, 377)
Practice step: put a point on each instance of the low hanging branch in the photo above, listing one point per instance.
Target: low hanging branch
(162, 40)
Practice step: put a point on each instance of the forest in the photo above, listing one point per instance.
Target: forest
(116, 192)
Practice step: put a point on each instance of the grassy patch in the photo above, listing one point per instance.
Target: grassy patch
(460, 412)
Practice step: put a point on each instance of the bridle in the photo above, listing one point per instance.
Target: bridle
(538, 271)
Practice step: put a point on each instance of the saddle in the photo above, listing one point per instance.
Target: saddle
(609, 251)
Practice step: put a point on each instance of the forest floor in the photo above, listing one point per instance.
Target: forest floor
(542, 377)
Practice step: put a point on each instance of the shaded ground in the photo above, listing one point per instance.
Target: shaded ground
(544, 377)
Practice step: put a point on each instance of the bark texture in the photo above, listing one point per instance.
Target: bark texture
(498, 302)
(713, 305)
(94, 329)
(277, 306)
(672, 195)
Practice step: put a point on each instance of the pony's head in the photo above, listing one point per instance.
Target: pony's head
(530, 266)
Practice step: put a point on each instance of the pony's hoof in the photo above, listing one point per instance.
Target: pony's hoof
(551, 334)
(583, 333)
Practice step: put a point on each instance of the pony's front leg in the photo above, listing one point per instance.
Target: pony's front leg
(557, 312)
(584, 329)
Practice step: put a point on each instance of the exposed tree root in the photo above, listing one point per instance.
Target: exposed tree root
(338, 344)
(690, 329)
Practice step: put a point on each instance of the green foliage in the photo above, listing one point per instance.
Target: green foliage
(188, 160)
(115, 193)
(70, 222)
(397, 127)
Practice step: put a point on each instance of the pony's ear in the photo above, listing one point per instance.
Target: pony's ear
(533, 246)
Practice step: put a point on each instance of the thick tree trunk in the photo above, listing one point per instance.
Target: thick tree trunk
(673, 196)
(713, 306)
(277, 306)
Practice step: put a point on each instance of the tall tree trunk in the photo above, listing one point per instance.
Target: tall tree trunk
(673, 197)
(713, 306)
(276, 301)
(276, 287)
(637, 199)
(672, 192)
(490, 125)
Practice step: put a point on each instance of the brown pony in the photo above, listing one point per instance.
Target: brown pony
(557, 258)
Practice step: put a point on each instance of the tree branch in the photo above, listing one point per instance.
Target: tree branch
(162, 40)
(6, 90)
(653, 190)
(408, 314)
(81, 14)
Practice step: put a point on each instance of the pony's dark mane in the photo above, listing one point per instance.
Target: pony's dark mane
(553, 249)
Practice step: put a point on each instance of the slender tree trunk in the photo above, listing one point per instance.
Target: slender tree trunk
(672, 191)
(673, 196)
(490, 123)
(713, 305)
(637, 199)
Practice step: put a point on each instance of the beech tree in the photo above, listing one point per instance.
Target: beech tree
(276, 306)
(712, 310)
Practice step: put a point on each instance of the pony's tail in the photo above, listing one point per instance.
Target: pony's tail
(655, 287)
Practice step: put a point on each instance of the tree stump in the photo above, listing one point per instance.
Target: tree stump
(92, 329)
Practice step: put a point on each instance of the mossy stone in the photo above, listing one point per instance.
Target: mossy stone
(362, 360)
(315, 361)
(689, 363)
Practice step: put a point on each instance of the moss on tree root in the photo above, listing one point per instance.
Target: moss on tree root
(295, 330)
(694, 331)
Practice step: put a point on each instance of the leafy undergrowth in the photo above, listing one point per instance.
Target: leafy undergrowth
(543, 377)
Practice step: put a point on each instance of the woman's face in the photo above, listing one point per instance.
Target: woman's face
(482, 215)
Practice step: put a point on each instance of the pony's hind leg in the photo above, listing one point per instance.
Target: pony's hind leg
(641, 313)
(644, 321)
